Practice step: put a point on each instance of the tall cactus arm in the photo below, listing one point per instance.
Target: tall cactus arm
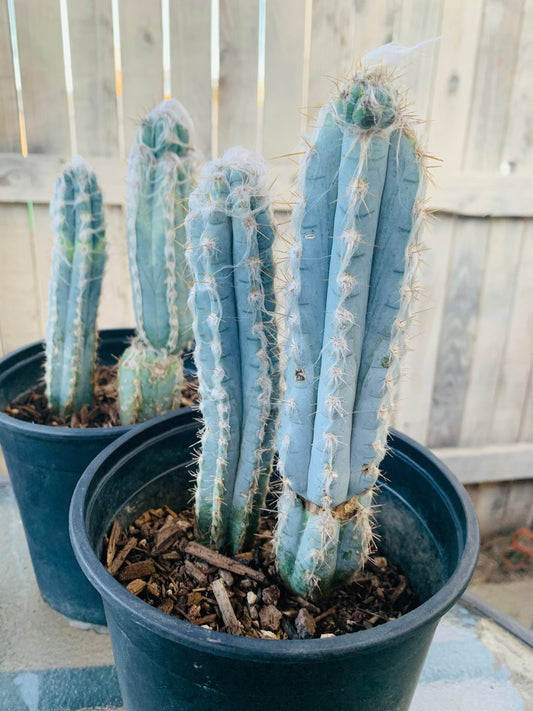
(326, 535)
(78, 260)
(160, 171)
(305, 295)
(217, 358)
(229, 268)
(361, 178)
(392, 290)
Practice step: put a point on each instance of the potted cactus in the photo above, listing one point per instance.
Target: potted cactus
(45, 462)
(347, 306)
(160, 176)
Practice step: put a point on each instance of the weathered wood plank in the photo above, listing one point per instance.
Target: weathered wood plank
(42, 239)
(513, 376)
(490, 463)
(526, 423)
(494, 313)
(142, 62)
(237, 91)
(95, 104)
(416, 385)
(419, 73)
(467, 194)
(518, 505)
(32, 179)
(517, 500)
(458, 332)
(518, 140)
(476, 194)
(333, 50)
(454, 78)
(116, 306)
(284, 73)
(43, 76)
(20, 320)
(9, 121)
(496, 59)
(373, 25)
(190, 68)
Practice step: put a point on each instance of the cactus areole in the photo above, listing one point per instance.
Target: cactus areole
(78, 259)
(229, 250)
(160, 171)
(348, 302)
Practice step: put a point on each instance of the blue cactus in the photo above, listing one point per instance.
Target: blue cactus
(160, 170)
(229, 250)
(353, 270)
(78, 260)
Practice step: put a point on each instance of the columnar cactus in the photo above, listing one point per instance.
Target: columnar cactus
(229, 250)
(160, 170)
(353, 278)
(78, 259)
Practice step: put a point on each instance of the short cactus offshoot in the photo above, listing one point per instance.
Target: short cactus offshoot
(229, 250)
(353, 269)
(160, 171)
(78, 260)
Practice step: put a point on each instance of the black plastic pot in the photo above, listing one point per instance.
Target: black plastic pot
(426, 523)
(44, 465)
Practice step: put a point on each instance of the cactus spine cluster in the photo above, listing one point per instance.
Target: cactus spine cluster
(229, 250)
(160, 171)
(353, 268)
(78, 259)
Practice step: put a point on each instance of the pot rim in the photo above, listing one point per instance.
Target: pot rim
(290, 651)
(35, 351)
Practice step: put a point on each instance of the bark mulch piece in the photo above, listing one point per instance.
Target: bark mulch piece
(158, 559)
(32, 405)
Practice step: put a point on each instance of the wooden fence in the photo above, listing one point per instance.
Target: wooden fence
(76, 75)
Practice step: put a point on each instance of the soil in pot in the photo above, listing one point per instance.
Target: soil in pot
(158, 560)
(32, 405)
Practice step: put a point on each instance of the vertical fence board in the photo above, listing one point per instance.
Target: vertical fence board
(499, 36)
(190, 72)
(282, 120)
(373, 25)
(416, 384)
(95, 106)
(9, 126)
(116, 306)
(518, 505)
(237, 95)
(20, 321)
(333, 50)
(518, 143)
(419, 73)
(42, 245)
(494, 313)
(509, 401)
(526, 426)
(43, 76)
(458, 332)
(454, 79)
(142, 61)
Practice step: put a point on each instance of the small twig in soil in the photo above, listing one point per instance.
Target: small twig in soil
(221, 561)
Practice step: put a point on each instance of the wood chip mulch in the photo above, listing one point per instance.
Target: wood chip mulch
(158, 560)
(32, 405)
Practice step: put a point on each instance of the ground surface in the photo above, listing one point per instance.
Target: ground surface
(510, 591)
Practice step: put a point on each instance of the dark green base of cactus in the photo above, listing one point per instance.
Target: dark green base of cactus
(426, 524)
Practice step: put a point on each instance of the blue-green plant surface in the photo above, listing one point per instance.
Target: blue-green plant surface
(160, 178)
(78, 259)
(348, 302)
(229, 249)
